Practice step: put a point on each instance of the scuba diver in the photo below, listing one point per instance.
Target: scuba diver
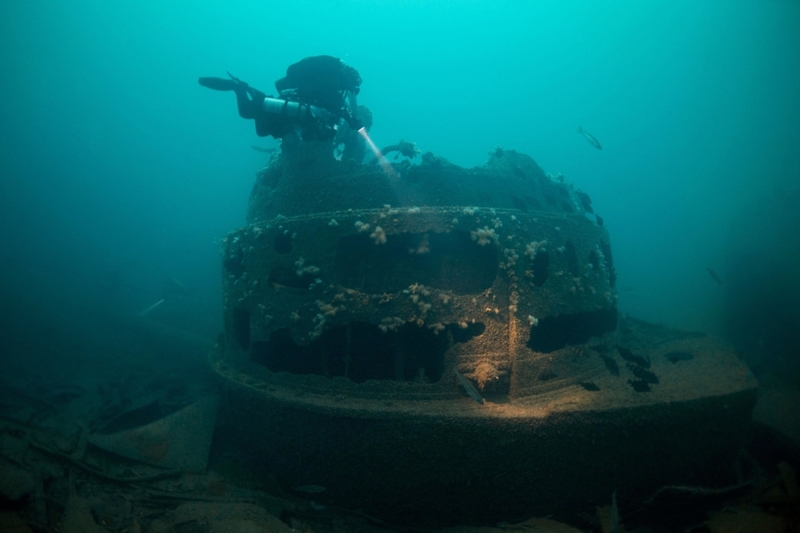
(317, 94)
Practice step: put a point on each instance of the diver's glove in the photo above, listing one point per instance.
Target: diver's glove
(218, 84)
(355, 124)
(221, 84)
(351, 120)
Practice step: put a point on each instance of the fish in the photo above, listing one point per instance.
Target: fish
(714, 275)
(591, 138)
(469, 387)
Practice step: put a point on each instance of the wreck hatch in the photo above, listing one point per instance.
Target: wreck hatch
(450, 261)
(360, 351)
(555, 332)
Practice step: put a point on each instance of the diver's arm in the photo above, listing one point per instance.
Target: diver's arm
(248, 99)
(349, 112)
(232, 83)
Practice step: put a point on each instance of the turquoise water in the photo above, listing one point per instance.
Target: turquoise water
(120, 174)
(108, 139)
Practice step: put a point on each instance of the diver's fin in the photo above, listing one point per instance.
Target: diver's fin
(580, 130)
(219, 84)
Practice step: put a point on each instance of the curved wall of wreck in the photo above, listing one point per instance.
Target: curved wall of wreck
(392, 278)
(366, 308)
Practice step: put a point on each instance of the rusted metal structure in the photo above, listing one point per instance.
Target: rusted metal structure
(443, 341)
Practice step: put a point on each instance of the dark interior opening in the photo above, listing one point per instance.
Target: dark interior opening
(554, 333)
(533, 201)
(485, 199)
(287, 277)
(539, 266)
(234, 264)
(551, 191)
(241, 327)
(460, 334)
(519, 203)
(572, 258)
(283, 243)
(360, 351)
(594, 260)
(448, 261)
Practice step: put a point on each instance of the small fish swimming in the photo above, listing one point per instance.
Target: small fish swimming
(469, 387)
(714, 275)
(591, 138)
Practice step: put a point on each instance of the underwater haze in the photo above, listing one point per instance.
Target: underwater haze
(121, 178)
(121, 173)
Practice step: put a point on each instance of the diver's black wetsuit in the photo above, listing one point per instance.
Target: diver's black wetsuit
(321, 81)
(250, 102)
(324, 81)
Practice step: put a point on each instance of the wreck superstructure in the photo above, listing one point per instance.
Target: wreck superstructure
(349, 271)
(361, 301)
